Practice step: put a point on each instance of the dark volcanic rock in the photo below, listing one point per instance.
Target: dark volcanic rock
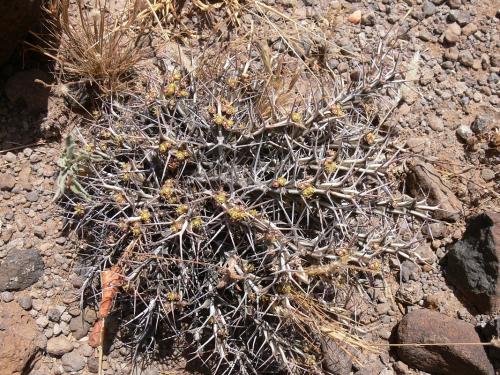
(474, 263)
(20, 269)
(16, 18)
(426, 326)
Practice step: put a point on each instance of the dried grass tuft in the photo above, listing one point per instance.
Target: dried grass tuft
(93, 48)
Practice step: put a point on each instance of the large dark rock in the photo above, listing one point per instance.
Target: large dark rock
(16, 19)
(19, 338)
(474, 263)
(427, 327)
(20, 269)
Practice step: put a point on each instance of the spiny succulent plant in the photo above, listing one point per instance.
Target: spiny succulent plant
(237, 205)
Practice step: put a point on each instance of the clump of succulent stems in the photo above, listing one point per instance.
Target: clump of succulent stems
(239, 208)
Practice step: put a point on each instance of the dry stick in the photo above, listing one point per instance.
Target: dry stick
(495, 342)
(41, 143)
(100, 348)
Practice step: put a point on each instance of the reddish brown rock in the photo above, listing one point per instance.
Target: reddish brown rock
(18, 335)
(427, 327)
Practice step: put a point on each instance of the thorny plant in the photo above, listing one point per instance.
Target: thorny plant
(170, 11)
(237, 219)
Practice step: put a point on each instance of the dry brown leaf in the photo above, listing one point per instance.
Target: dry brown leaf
(96, 334)
(110, 280)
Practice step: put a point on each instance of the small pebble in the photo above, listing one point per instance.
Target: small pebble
(42, 321)
(7, 297)
(25, 302)
(464, 132)
(487, 174)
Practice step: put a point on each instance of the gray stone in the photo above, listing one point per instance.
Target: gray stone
(409, 271)
(426, 327)
(401, 368)
(20, 269)
(370, 367)
(368, 19)
(487, 174)
(48, 333)
(454, 4)
(464, 132)
(451, 54)
(336, 359)
(410, 293)
(425, 253)
(436, 123)
(42, 321)
(452, 33)
(65, 317)
(56, 329)
(57, 346)
(37, 304)
(73, 362)
(481, 124)
(32, 196)
(25, 302)
(79, 327)
(7, 297)
(423, 180)
(93, 365)
(7, 182)
(465, 58)
(473, 264)
(10, 157)
(382, 308)
(39, 231)
(86, 349)
(469, 29)
(428, 9)
(54, 314)
(458, 16)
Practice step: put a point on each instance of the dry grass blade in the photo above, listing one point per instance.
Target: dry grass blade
(94, 47)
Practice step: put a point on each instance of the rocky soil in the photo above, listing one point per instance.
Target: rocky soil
(450, 121)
